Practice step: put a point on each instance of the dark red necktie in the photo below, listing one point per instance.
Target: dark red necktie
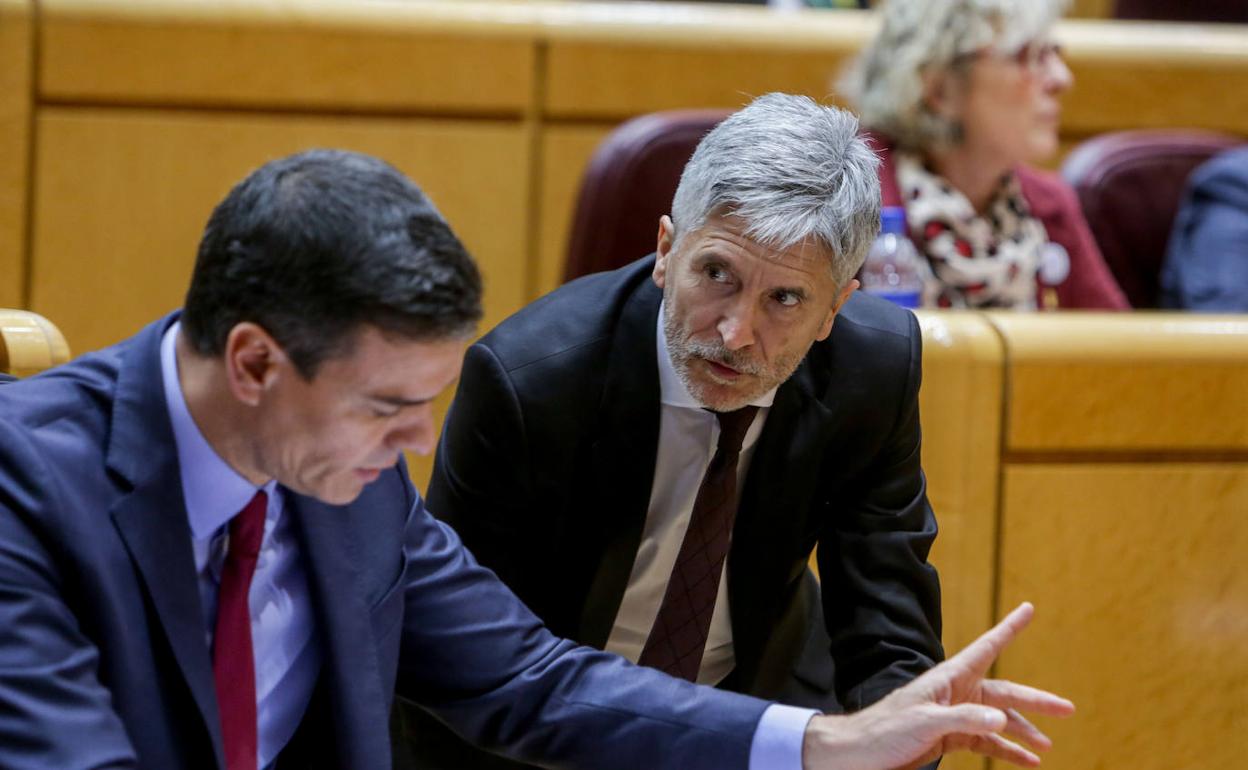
(678, 637)
(233, 666)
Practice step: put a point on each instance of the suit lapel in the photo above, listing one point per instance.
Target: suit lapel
(152, 519)
(354, 684)
(623, 458)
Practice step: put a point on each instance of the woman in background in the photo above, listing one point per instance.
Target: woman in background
(959, 96)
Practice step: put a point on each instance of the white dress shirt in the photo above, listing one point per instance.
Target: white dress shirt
(284, 644)
(688, 435)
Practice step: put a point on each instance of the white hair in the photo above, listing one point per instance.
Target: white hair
(794, 172)
(885, 81)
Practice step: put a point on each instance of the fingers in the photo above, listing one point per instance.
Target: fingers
(1011, 695)
(979, 654)
(1017, 726)
(1004, 749)
(967, 718)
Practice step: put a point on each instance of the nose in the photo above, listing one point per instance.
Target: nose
(415, 434)
(736, 328)
(1057, 75)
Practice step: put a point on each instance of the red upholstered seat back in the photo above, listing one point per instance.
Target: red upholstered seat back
(1129, 185)
(628, 185)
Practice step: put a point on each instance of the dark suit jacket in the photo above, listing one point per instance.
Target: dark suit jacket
(103, 661)
(1206, 266)
(547, 458)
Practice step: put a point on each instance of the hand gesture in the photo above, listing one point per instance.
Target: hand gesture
(950, 708)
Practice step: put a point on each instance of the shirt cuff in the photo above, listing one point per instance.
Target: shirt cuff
(777, 743)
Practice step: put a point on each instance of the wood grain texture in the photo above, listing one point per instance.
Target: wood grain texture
(645, 59)
(1141, 587)
(393, 57)
(1091, 9)
(16, 93)
(123, 197)
(29, 343)
(1152, 382)
(566, 151)
(961, 404)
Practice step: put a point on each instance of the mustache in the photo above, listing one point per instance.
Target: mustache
(722, 355)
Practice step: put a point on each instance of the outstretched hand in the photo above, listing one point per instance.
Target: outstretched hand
(950, 708)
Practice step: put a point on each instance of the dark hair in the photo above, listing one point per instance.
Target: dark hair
(314, 246)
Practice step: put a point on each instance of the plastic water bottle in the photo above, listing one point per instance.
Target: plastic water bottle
(892, 269)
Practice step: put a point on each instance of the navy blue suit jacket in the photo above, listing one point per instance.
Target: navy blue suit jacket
(1206, 266)
(103, 659)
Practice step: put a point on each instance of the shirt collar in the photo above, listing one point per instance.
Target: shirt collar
(672, 390)
(214, 492)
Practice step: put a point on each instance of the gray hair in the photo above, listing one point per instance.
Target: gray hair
(793, 171)
(885, 82)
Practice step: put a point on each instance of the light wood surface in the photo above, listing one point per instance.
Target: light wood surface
(1091, 9)
(392, 57)
(1141, 587)
(961, 403)
(16, 40)
(123, 197)
(1161, 382)
(566, 151)
(29, 343)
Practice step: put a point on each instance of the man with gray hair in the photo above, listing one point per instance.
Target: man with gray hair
(647, 457)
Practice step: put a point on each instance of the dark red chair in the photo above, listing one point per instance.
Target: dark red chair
(1129, 185)
(628, 185)
(1182, 10)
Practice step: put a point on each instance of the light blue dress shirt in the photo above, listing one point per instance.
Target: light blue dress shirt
(283, 633)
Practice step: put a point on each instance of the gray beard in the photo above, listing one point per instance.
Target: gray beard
(682, 350)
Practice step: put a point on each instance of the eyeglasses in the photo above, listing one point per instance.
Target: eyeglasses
(1035, 56)
(1038, 54)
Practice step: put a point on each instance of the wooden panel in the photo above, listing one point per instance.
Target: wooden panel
(614, 63)
(1152, 382)
(566, 151)
(961, 405)
(123, 196)
(16, 38)
(29, 343)
(1139, 577)
(299, 54)
(1091, 9)
(1155, 75)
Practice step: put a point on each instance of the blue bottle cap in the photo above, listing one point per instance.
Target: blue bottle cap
(893, 220)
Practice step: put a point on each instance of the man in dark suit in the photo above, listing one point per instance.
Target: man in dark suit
(575, 453)
(211, 555)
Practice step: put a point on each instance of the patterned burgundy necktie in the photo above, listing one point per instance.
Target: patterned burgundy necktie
(233, 666)
(678, 637)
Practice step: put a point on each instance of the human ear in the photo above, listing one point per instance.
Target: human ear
(663, 249)
(826, 329)
(253, 360)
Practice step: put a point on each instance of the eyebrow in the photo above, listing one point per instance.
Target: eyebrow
(797, 291)
(399, 401)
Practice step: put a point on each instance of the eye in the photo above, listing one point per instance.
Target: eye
(716, 272)
(381, 410)
(787, 298)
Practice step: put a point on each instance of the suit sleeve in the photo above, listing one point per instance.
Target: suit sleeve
(54, 712)
(881, 596)
(1206, 267)
(474, 656)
